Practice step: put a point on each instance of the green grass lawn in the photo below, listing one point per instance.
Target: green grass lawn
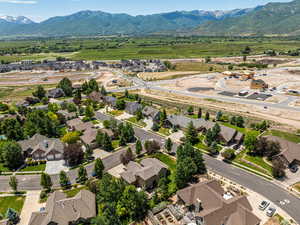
(140, 123)
(74, 191)
(259, 161)
(240, 129)
(116, 112)
(4, 169)
(164, 131)
(116, 144)
(14, 202)
(40, 167)
(201, 145)
(285, 135)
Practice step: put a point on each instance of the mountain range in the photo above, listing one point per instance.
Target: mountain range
(273, 18)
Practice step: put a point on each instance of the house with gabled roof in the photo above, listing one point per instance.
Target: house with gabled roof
(132, 107)
(65, 211)
(212, 206)
(145, 174)
(40, 147)
(150, 112)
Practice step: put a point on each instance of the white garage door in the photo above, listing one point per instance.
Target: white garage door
(50, 157)
(58, 156)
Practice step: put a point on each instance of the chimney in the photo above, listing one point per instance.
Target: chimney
(198, 205)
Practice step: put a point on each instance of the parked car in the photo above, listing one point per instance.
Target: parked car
(263, 205)
(271, 211)
(294, 169)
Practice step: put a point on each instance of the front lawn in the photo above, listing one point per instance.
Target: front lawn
(115, 144)
(14, 202)
(4, 169)
(285, 135)
(297, 186)
(139, 123)
(40, 167)
(74, 191)
(164, 131)
(116, 112)
(259, 161)
(240, 129)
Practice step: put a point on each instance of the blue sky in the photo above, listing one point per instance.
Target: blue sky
(42, 9)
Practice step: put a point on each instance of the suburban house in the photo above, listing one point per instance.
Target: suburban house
(290, 151)
(40, 147)
(227, 135)
(79, 125)
(111, 101)
(210, 205)
(68, 115)
(89, 138)
(65, 211)
(56, 93)
(132, 107)
(95, 96)
(150, 112)
(146, 174)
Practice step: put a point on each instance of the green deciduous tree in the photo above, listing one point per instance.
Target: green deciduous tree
(64, 180)
(168, 145)
(46, 181)
(99, 168)
(66, 85)
(11, 154)
(82, 175)
(138, 147)
(40, 92)
(13, 183)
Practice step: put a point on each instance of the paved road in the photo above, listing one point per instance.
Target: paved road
(264, 187)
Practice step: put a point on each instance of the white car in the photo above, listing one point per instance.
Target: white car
(263, 205)
(271, 211)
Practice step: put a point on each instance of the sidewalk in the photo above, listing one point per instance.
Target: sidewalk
(31, 205)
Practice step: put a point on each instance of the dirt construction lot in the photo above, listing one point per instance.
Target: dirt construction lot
(164, 75)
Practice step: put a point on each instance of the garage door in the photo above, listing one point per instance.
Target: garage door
(58, 156)
(50, 157)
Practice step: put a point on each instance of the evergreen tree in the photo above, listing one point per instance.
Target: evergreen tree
(155, 127)
(126, 94)
(213, 149)
(209, 137)
(216, 131)
(138, 147)
(82, 175)
(40, 92)
(89, 112)
(207, 116)
(99, 168)
(233, 120)
(191, 134)
(163, 117)
(139, 115)
(219, 115)
(107, 144)
(199, 113)
(240, 121)
(169, 145)
(99, 138)
(46, 181)
(190, 110)
(103, 91)
(64, 180)
(163, 188)
(12, 216)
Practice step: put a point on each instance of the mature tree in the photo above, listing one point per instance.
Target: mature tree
(207, 116)
(240, 121)
(103, 91)
(191, 134)
(199, 162)
(126, 94)
(250, 141)
(163, 188)
(138, 147)
(127, 156)
(40, 92)
(233, 120)
(82, 175)
(99, 168)
(99, 138)
(213, 149)
(12, 216)
(64, 180)
(13, 183)
(73, 154)
(71, 107)
(278, 170)
(139, 115)
(184, 173)
(93, 85)
(216, 131)
(155, 127)
(107, 143)
(199, 115)
(151, 146)
(120, 104)
(108, 216)
(168, 145)
(132, 204)
(3, 107)
(219, 115)
(71, 137)
(264, 147)
(190, 110)
(46, 181)
(89, 112)
(11, 154)
(209, 137)
(66, 85)
(12, 129)
(77, 97)
(38, 121)
(163, 117)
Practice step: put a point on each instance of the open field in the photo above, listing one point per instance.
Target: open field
(165, 75)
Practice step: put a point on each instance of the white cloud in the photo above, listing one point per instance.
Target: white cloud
(19, 1)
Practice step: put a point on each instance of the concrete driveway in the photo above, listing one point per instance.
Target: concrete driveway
(98, 153)
(54, 167)
(31, 205)
(292, 178)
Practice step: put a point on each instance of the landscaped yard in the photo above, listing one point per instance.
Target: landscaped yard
(40, 167)
(116, 144)
(259, 161)
(116, 112)
(72, 192)
(284, 135)
(14, 202)
(4, 169)
(240, 129)
(164, 131)
(139, 123)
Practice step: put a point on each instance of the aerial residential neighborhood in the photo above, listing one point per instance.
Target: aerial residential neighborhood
(186, 117)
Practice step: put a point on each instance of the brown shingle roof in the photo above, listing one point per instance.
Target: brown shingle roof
(61, 210)
(89, 136)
